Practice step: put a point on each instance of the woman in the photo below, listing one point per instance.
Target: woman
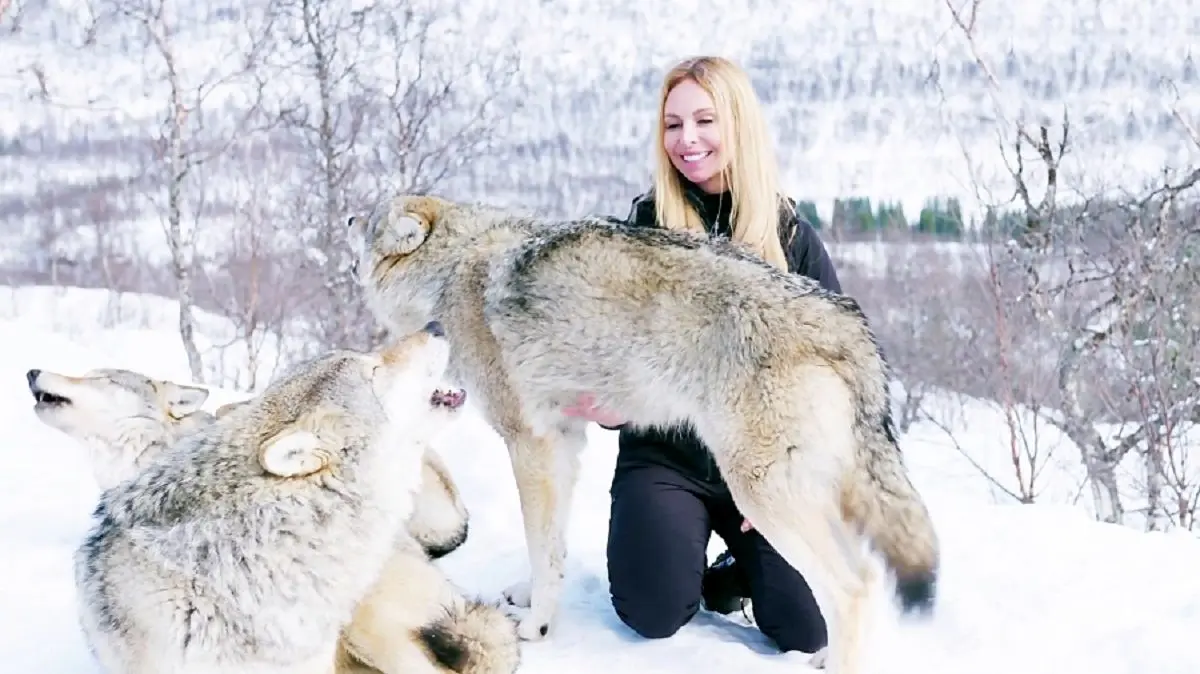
(714, 174)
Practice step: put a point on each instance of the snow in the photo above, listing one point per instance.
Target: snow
(1033, 589)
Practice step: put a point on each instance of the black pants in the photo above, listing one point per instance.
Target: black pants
(658, 535)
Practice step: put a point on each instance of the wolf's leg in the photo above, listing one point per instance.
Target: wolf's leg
(815, 540)
(784, 450)
(546, 468)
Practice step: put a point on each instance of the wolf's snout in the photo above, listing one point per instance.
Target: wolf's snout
(435, 328)
(32, 377)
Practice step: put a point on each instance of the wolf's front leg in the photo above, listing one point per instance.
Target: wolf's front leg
(546, 469)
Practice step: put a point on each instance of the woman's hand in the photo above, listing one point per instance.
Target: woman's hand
(585, 408)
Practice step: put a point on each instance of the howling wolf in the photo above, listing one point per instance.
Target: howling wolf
(273, 539)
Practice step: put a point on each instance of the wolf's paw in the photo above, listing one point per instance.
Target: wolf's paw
(519, 594)
(818, 659)
(530, 628)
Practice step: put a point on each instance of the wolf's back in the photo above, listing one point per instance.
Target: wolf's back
(682, 297)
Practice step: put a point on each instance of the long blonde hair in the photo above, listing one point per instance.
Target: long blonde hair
(751, 172)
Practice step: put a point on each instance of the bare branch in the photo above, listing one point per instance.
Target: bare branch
(1188, 127)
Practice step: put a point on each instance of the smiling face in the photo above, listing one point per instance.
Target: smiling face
(692, 137)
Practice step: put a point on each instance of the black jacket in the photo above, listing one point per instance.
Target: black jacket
(679, 448)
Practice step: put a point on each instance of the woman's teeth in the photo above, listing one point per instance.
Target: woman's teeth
(695, 156)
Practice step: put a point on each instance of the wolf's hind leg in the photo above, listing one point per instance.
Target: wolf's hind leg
(785, 458)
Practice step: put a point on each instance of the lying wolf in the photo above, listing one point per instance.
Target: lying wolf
(782, 380)
(439, 520)
(268, 540)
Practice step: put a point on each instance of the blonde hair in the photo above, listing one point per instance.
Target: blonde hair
(750, 173)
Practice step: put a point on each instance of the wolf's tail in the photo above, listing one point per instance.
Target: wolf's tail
(878, 498)
(882, 501)
(473, 638)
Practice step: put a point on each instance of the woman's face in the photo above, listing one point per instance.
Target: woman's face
(691, 137)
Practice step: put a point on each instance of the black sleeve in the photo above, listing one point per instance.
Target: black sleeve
(641, 211)
(808, 255)
(812, 259)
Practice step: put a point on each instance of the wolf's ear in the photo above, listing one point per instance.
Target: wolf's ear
(403, 235)
(293, 453)
(184, 400)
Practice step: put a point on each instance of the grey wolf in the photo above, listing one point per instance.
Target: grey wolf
(251, 544)
(123, 419)
(782, 380)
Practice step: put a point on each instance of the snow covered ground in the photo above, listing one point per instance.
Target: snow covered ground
(1027, 589)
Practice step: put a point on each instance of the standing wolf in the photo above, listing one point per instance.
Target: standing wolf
(781, 379)
(251, 543)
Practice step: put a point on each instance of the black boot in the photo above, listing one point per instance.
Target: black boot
(724, 588)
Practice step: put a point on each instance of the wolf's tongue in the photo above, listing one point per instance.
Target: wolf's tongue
(451, 399)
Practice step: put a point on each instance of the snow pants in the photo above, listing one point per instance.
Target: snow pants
(659, 527)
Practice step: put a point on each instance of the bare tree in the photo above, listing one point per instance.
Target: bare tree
(248, 279)
(326, 120)
(185, 140)
(1100, 275)
(951, 333)
(381, 110)
(438, 108)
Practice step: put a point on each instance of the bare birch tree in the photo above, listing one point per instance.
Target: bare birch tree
(324, 116)
(189, 134)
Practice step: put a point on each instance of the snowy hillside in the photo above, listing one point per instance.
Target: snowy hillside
(875, 99)
(1030, 589)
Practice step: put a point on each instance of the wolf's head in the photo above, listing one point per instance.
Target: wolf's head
(403, 250)
(326, 412)
(395, 228)
(118, 414)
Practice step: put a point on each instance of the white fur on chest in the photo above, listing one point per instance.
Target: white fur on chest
(391, 472)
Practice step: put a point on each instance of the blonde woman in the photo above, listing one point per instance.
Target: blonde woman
(715, 174)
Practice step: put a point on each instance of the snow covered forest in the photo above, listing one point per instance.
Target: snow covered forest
(1009, 188)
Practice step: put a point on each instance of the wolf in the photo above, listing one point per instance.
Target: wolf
(261, 542)
(784, 382)
(440, 521)
(125, 418)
